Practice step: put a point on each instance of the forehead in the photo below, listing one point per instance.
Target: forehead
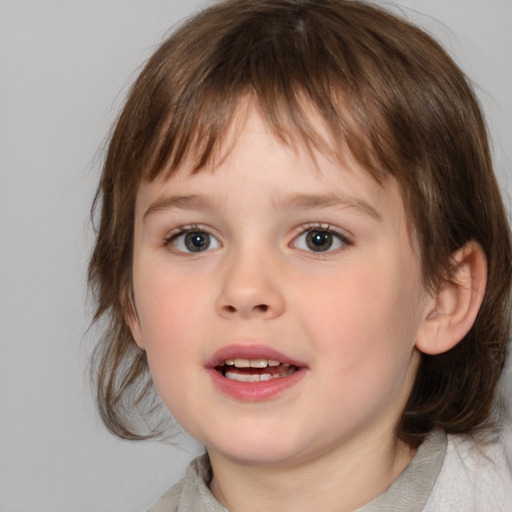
(257, 166)
(210, 136)
(308, 137)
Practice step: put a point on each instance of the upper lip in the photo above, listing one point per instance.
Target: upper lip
(249, 352)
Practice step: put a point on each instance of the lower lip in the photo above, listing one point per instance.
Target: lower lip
(256, 391)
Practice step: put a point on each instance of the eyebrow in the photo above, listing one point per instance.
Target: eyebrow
(186, 202)
(318, 201)
(289, 202)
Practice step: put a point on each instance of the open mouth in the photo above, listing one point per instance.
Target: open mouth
(254, 370)
(254, 373)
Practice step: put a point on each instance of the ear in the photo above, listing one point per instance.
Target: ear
(132, 319)
(453, 309)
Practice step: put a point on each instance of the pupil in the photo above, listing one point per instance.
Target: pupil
(319, 240)
(196, 241)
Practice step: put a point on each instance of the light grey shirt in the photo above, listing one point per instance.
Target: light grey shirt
(452, 474)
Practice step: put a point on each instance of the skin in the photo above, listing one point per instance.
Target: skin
(353, 316)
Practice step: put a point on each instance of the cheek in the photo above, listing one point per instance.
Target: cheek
(364, 342)
(168, 300)
(367, 313)
(171, 328)
(172, 311)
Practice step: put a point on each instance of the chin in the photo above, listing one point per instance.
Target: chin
(260, 448)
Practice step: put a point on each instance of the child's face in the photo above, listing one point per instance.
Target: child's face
(274, 257)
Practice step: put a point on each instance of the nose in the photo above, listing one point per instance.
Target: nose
(250, 289)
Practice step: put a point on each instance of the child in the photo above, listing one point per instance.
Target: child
(303, 250)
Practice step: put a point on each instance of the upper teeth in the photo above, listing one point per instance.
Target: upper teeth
(252, 363)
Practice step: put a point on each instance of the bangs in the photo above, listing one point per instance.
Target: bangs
(293, 69)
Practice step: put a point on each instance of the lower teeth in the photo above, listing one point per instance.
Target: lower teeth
(256, 377)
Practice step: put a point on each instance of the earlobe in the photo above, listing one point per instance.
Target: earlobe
(454, 307)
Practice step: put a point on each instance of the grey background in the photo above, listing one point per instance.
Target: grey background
(64, 70)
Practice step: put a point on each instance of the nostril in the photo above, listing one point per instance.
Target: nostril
(258, 309)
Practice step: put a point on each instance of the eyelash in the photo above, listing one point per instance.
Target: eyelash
(170, 239)
(342, 240)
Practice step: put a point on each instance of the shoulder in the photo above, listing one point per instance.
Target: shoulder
(190, 493)
(475, 476)
(170, 500)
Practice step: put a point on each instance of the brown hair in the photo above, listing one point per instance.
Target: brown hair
(388, 94)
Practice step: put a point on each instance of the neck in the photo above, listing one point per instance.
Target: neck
(339, 480)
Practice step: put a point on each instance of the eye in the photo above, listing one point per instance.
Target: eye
(193, 240)
(319, 240)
